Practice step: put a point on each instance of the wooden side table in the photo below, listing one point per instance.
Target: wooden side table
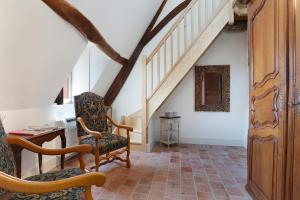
(39, 139)
(169, 130)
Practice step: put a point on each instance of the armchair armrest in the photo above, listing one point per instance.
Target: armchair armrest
(118, 125)
(14, 184)
(14, 140)
(87, 130)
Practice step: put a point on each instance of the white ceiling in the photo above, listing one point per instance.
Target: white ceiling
(37, 52)
(121, 22)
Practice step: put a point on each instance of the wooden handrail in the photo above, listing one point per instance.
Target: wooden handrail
(187, 20)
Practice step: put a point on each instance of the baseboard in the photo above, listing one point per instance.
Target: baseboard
(212, 141)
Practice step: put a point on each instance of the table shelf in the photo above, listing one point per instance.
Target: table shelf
(169, 130)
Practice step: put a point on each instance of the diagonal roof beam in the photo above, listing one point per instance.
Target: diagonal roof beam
(150, 32)
(73, 16)
(167, 19)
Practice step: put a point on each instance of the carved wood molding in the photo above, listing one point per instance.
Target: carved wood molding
(73, 16)
(275, 72)
(123, 74)
(271, 124)
(251, 186)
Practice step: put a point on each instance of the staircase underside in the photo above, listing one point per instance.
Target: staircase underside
(189, 59)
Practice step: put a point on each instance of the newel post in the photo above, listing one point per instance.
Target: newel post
(144, 104)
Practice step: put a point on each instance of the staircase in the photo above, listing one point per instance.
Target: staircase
(135, 121)
(178, 51)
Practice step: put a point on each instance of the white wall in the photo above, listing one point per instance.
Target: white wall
(20, 119)
(128, 100)
(37, 52)
(88, 69)
(213, 127)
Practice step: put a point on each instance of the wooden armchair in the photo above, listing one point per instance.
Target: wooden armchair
(93, 129)
(65, 184)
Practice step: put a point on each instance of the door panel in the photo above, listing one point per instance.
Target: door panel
(268, 87)
(263, 42)
(295, 109)
(265, 151)
(264, 108)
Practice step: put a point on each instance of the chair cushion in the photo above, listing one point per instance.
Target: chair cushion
(109, 142)
(71, 193)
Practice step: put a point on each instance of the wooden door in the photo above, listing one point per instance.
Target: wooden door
(293, 174)
(268, 87)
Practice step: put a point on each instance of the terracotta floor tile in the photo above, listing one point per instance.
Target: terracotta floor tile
(131, 183)
(234, 191)
(173, 197)
(220, 193)
(160, 178)
(158, 186)
(183, 172)
(201, 179)
(156, 195)
(189, 197)
(142, 189)
(202, 187)
(125, 190)
(173, 184)
(138, 196)
(145, 181)
(216, 185)
(204, 196)
(188, 190)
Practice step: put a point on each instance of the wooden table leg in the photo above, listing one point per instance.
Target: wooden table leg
(18, 159)
(63, 145)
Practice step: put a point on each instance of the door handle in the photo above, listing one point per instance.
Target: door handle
(297, 109)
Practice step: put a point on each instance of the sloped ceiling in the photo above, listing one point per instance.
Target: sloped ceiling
(122, 23)
(37, 52)
(38, 49)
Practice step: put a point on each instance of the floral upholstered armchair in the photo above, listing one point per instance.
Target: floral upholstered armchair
(71, 183)
(92, 129)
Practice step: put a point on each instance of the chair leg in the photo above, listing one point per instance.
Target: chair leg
(88, 193)
(97, 155)
(128, 163)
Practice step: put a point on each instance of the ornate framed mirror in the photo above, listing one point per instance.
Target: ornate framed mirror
(212, 88)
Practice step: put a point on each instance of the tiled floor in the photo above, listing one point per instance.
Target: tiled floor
(185, 172)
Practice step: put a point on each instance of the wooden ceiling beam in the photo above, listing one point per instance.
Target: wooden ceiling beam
(123, 74)
(149, 34)
(167, 19)
(73, 16)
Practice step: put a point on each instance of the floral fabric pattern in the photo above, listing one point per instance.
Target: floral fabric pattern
(109, 142)
(71, 193)
(90, 107)
(7, 165)
(7, 162)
